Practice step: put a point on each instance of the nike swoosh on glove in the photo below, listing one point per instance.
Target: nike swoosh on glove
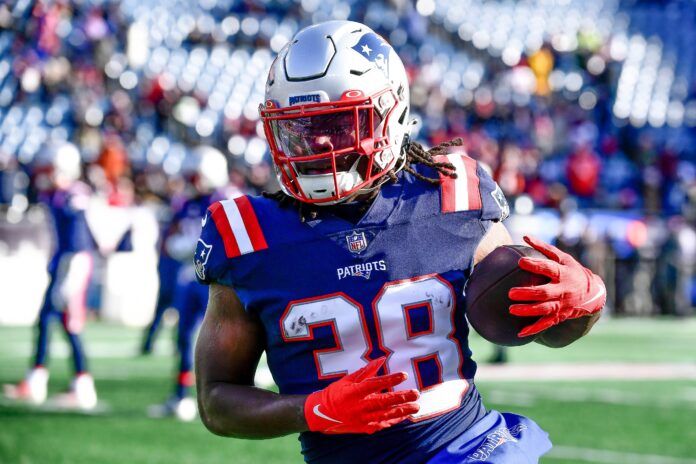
(574, 291)
(356, 404)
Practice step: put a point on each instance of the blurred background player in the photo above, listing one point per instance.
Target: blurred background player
(168, 269)
(57, 179)
(206, 172)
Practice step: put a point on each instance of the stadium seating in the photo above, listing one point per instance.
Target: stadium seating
(172, 74)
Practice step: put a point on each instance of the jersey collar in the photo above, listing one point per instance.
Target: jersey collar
(377, 214)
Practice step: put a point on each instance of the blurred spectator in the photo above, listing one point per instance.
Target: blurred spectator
(587, 101)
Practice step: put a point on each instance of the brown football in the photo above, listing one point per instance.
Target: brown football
(487, 302)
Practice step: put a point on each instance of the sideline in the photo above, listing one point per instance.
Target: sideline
(612, 457)
(586, 371)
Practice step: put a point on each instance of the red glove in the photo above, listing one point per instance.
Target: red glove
(574, 291)
(354, 403)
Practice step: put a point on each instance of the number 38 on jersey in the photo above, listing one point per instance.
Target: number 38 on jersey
(414, 325)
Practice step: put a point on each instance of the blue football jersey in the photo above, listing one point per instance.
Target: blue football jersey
(67, 212)
(333, 294)
(184, 227)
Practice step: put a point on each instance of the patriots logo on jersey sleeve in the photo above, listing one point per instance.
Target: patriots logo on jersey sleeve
(200, 260)
(375, 49)
(502, 203)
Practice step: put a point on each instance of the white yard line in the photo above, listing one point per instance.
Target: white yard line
(587, 371)
(95, 350)
(613, 457)
(527, 397)
(541, 372)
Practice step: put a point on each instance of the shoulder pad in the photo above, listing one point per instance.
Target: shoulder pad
(238, 226)
(473, 189)
(229, 225)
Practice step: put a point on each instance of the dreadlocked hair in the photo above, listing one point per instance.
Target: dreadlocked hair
(415, 154)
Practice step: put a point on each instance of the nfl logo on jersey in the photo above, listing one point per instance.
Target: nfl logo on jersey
(356, 242)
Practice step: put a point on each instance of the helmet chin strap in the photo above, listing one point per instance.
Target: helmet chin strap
(378, 182)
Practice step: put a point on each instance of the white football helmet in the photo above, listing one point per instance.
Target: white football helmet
(208, 168)
(60, 160)
(336, 112)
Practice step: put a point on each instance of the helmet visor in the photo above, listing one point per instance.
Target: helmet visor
(323, 133)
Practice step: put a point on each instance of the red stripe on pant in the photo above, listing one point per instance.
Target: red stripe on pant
(75, 311)
(186, 378)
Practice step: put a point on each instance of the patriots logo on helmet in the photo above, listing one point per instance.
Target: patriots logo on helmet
(373, 47)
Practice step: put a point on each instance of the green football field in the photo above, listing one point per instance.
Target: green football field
(650, 418)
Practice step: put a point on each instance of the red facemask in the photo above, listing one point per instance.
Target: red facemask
(328, 138)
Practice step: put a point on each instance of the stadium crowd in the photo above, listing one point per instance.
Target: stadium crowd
(581, 109)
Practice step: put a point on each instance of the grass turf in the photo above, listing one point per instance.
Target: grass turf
(654, 417)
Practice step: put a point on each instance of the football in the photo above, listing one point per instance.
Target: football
(487, 302)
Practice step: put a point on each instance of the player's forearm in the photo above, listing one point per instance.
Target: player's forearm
(248, 412)
(496, 236)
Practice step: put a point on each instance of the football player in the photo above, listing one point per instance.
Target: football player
(351, 277)
(206, 171)
(57, 174)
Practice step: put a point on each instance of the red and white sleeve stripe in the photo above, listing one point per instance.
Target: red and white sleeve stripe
(238, 226)
(462, 193)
